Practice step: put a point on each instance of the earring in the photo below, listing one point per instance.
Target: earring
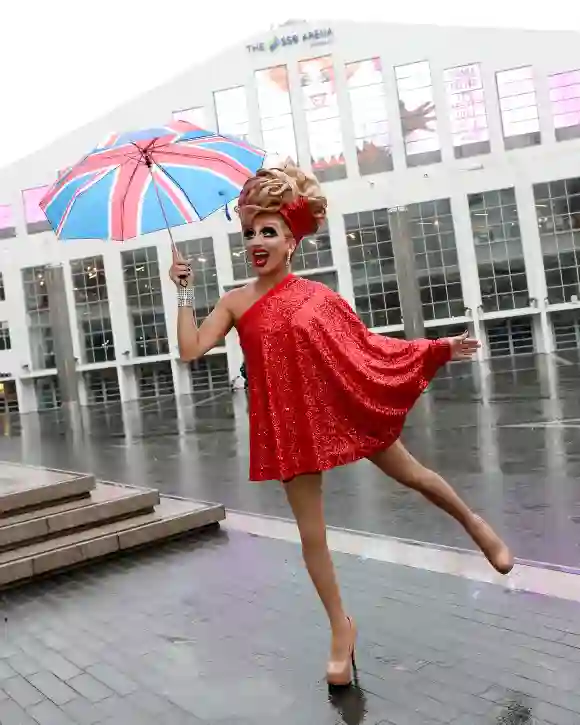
(288, 258)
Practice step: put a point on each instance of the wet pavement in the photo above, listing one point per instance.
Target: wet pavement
(225, 629)
(508, 438)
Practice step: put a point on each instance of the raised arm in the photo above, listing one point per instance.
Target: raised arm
(195, 341)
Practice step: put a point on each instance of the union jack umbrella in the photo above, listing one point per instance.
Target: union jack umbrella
(141, 182)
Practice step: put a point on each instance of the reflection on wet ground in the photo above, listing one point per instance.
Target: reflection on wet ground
(507, 436)
(350, 703)
(516, 712)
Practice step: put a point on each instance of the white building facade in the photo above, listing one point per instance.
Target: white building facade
(475, 132)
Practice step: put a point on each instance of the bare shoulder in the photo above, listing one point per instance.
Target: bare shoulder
(235, 300)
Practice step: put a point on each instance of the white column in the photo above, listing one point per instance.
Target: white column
(223, 260)
(181, 378)
(300, 124)
(26, 392)
(127, 383)
(493, 111)
(442, 114)
(394, 116)
(544, 108)
(17, 315)
(467, 260)
(120, 323)
(30, 439)
(255, 128)
(169, 295)
(340, 256)
(346, 119)
(131, 410)
(532, 249)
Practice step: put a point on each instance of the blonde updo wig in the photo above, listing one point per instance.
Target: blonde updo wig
(271, 189)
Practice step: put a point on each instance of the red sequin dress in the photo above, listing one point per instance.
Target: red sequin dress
(323, 389)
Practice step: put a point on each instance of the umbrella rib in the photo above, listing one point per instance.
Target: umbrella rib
(125, 198)
(208, 154)
(170, 177)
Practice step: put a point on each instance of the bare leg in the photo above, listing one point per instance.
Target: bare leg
(399, 464)
(304, 495)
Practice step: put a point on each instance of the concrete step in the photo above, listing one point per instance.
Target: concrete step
(107, 502)
(28, 487)
(171, 518)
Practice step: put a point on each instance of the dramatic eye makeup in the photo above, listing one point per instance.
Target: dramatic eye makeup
(264, 231)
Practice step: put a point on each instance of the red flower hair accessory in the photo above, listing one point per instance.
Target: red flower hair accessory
(299, 218)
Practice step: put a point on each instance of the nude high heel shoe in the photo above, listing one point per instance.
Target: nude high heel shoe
(339, 673)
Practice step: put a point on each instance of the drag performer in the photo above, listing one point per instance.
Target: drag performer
(323, 390)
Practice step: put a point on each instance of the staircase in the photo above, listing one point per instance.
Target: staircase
(52, 520)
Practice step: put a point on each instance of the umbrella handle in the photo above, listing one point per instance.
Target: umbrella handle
(181, 277)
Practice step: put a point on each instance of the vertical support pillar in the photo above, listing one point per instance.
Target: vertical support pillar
(64, 348)
(406, 273)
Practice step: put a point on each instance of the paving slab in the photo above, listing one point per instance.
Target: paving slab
(225, 629)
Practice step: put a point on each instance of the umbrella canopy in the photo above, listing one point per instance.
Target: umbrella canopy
(141, 182)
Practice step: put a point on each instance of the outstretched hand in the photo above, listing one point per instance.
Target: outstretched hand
(463, 347)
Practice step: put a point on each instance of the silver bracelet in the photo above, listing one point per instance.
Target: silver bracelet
(185, 297)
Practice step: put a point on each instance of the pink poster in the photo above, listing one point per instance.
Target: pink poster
(565, 97)
(32, 198)
(465, 96)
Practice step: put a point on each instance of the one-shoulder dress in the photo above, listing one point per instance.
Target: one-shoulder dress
(323, 390)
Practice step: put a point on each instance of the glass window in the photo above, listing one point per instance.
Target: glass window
(565, 98)
(372, 263)
(232, 112)
(48, 393)
(145, 302)
(313, 252)
(323, 118)
(8, 397)
(276, 112)
(210, 374)
(417, 111)
(433, 238)
(514, 336)
(7, 226)
(518, 107)
(369, 111)
(566, 326)
(558, 213)
(467, 113)
(92, 306)
(2, 290)
(37, 309)
(499, 251)
(33, 214)
(155, 380)
(200, 253)
(102, 386)
(196, 116)
(241, 266)
(4, 336)
(329, 278)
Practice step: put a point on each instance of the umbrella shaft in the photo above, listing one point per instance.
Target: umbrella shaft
(150, 166)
